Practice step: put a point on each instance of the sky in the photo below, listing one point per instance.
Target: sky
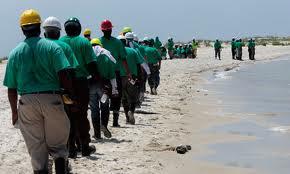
(180, 19)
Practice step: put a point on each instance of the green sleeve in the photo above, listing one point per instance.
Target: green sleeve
(10, 78)
(59, 60)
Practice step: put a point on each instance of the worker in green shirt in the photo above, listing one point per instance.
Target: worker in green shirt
(239, 48)
(130, 85)
(178, 51)
(194, 45)
(251, 49)
(144, 71)
(170, 48)
(183, 51)
(157, 44)
(233, 47)
(86, 57)
(117, 50)
(163, 52)
(175, 50)
(189, 51)
(37, 71)
(217, 48)
(154, 62)
(101, 90)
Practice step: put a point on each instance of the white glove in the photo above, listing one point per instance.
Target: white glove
(146, 68)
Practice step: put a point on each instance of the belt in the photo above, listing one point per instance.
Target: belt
(44, 92)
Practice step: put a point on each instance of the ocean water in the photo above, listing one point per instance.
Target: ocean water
(259, 95)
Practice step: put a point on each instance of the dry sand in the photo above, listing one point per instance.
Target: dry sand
(180, 114)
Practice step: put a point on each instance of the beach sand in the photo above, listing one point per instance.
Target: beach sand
(180, 114)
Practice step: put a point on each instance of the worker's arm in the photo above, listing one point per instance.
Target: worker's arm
(13, 99)
(125, 64)
(66, 80)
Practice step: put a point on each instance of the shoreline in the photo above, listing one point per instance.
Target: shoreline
(181, 114)
(190, 163)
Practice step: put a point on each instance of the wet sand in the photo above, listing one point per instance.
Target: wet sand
(180, 114)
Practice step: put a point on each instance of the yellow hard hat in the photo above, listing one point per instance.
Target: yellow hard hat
(87, 31)
(126, 30)
(96, 41)
(29, 17)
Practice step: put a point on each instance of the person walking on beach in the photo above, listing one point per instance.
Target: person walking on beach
(101, 90)
(233, 46)
(52, 27)
(87, 34)
(37, 70)
(251, 49)
(87, 67)
(117, 50)
(154, 62)
(157, 44)
(217, 48)
(144, 71)
(130, 85)
(170, 48)
(194, 45)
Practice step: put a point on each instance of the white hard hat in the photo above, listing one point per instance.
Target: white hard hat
(129, 36)
(121, 37)
(51, 22)
(136, 38)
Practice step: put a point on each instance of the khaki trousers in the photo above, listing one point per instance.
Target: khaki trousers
(44, 126)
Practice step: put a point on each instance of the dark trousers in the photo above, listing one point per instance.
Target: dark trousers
(234, 53)
(218, 53)
(143, 82)
(80, 125)
(239, 53)
(100, 112)
(154, 77)
(251, 53)
(130, 95)
(116, 101)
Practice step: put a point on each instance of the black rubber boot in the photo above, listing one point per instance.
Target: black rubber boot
(97, 128)
(88, 150)
(60, 166)
(116, 120)
(41, 172)
(126, 110)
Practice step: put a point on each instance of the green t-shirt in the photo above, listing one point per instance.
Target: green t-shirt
(194, 45)
(239, 44)
(117, 49)
(178, 51)
(234, 44)
(251, 44)
(83, 51)
(68, 53)
(217, 45)
(157, 43)
(106, 67)
(152, 55)
(132, 61)
(33, 66)
(170, 45)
